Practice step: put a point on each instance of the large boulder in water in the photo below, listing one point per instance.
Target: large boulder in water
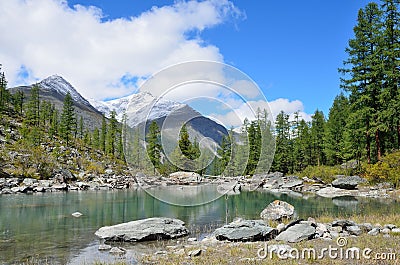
(144, 230)
(349, 182)
(245, 230)
(277, 210)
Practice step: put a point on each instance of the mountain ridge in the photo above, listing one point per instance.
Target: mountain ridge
(140, 109)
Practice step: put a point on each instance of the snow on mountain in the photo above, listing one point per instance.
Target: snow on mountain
(137, 107)
(62, 86)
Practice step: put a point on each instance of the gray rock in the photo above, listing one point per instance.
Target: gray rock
(276, 174)
(117, 251)
(374, 232)
(194, 253)
(104, 247)
(15, 189)
(366, 227)
(180, 252)
(396, 230)
(280, 227)
(390, 226)
(343, 223)
(297, 233)
(45, 183)
(76, 214)
(354, 230)
(6, 191)
(82, 185)
(332, 192)
(245, 230)
(144, 230)
(334, 234)
(64, 176)
(277, 210)
(185, 176)
(321, 229)
(349, 182)
(29, 182)
(337, 229)
(273, 183)
(108, 171)
(292, 182)
(62, 186)
(39, 189)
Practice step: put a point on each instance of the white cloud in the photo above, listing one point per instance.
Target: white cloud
(248, 110)
(48, 37)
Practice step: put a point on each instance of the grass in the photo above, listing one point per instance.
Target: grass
(246, 253)
(223, 252)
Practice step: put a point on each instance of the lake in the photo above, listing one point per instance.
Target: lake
(41, 227)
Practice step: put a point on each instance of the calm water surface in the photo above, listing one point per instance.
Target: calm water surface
(40, 226)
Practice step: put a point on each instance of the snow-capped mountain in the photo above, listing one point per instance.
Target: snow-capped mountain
(137, 107)
(62, 86)
(140, 109)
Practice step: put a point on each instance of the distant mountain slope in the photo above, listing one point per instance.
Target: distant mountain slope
(139, 108)
(54, 89)
(143, 106)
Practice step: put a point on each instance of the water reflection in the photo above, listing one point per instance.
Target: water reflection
(41, 225)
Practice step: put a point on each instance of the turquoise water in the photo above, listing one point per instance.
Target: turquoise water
(40, 226)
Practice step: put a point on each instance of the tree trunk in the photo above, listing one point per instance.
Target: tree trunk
(398, 135)
(378, 144)
(368, 144)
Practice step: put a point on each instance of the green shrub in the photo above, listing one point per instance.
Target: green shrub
(386, 170)
(95, 168)
(325, 173)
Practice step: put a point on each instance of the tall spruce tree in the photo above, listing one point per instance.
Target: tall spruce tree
(103, 134)
(153, 145)
(3, 91)
(334, 130)
(317, 137)
(68, 120)
(184, 142)
(391, 91)
(96, 138)
(363, 75)
(224, 153)
(282, 159)
(111, 134)
(33, 108)
(18, 101)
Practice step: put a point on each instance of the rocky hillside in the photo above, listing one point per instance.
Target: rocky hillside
(54, 89)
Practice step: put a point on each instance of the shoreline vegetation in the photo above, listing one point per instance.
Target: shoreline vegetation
(354, 151)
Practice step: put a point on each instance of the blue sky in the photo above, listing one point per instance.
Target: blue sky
(291, 49)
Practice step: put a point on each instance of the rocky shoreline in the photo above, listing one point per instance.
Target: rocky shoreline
(64, 180)
(285, 231)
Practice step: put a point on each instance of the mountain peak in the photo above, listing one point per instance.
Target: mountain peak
(59, 84)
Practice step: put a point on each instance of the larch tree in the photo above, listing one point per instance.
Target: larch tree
(68, 120)
(334, 130)
(362, 75)
(153, 145)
